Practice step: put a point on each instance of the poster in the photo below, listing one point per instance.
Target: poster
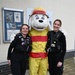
(12, 21)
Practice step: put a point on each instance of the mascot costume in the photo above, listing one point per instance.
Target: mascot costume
(39, 26)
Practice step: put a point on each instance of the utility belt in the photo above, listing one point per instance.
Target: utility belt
(54, 48)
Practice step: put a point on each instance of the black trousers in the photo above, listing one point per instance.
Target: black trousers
(53, 69)
(19, 63)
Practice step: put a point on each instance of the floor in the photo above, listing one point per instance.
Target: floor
(69, 67)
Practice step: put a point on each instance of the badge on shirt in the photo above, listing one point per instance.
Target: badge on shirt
(22, 43)
(53, 45)
(22, 39)
(54, 41)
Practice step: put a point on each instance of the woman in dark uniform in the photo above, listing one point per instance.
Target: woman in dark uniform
(18, 51)
(56, 48)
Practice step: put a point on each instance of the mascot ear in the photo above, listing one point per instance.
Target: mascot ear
(29, 23)
(49, 25)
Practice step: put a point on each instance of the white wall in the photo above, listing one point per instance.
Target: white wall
(62, 9)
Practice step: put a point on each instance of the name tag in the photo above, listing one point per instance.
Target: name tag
(52, 45)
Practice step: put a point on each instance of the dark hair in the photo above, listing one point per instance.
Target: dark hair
(24, 25)
(58, 20)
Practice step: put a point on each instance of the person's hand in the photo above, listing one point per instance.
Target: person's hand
(48, 50)
(59, 64)
(9, 62)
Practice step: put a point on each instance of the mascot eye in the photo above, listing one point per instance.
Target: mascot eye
(42, 18)
(37, 17)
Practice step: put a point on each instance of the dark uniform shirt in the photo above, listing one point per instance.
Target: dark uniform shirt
(56, 45)
(20, 45)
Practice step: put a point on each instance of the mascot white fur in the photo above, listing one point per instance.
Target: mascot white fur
(39, 26)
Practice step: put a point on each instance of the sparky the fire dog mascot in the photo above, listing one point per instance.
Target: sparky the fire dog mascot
(39, 26)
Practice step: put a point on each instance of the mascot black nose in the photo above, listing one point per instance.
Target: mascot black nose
(40, 21)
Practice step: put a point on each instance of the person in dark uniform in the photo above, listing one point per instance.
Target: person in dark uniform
(56, 48)
(18, 51)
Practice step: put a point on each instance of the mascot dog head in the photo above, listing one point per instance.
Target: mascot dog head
(39, 20)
